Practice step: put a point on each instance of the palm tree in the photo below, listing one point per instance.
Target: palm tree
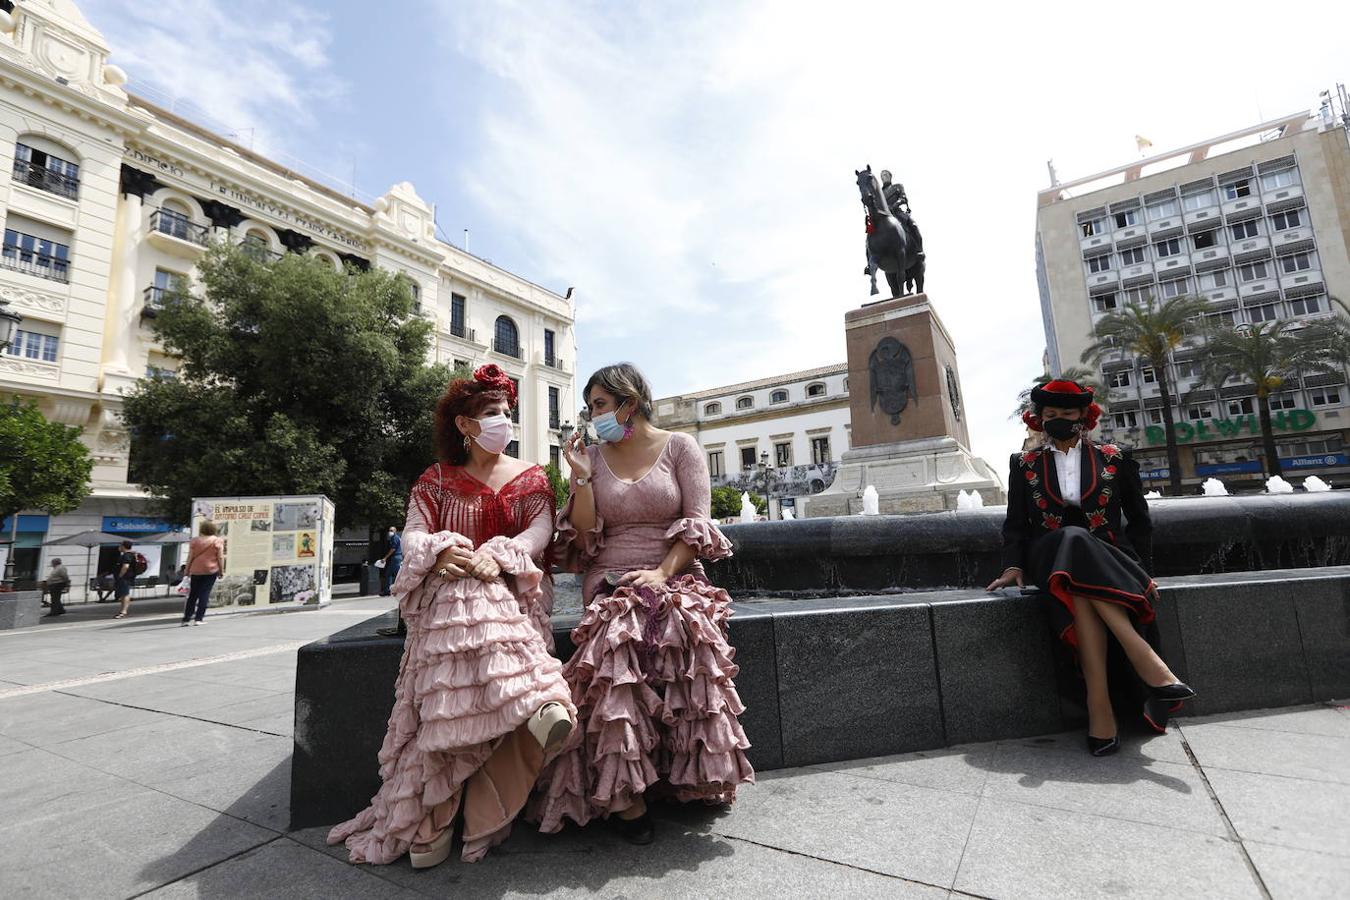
(1267, 355)
(1150, 331)
(1086, 377)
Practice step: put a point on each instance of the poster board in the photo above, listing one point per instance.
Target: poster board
(278, 550)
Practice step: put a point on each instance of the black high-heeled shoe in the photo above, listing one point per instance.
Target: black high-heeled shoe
(1173, 692)
(640, 831)
(1103, 746)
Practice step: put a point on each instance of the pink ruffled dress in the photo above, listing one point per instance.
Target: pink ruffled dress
(476, 666)
(652, 674)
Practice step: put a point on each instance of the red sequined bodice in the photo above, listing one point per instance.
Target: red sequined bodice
(450, 499)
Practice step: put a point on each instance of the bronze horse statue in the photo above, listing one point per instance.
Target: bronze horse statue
(891, 246)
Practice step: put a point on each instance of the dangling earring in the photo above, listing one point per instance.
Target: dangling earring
(467, 442)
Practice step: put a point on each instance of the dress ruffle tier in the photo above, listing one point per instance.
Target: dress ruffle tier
(652, 680)
(474, 670)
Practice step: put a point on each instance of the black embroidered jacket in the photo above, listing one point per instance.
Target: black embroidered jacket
(1110, 486)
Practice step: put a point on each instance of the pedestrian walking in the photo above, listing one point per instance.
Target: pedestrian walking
(206, 557)
(393, 560)
(55, 584)
(124, 578)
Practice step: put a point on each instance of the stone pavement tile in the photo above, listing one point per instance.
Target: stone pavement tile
(283, 868)
(255, 788)
(1324, 720)
(1161, 747)
(897, 829)
(168, 694)
(1017, 850)
(1290, 812)
(1120, 787)
(114, 841)
(1312, 756)
(279, 723)
(683, 864)
(35, 777)
(9, 745)
(1292, 874)
(254, 708)
(960, 769)
(49, 718)
(159, 749)
(245, 673)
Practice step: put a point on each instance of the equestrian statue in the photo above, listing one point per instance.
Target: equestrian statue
(894, 244)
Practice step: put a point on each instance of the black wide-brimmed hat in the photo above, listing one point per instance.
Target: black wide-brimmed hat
(1064, 394)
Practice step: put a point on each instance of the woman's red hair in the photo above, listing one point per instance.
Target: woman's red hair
(468, 397)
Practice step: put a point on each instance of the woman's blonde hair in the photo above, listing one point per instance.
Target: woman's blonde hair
(207, 529)
(625, 382)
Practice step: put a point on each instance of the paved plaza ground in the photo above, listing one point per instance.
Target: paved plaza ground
(141, 758)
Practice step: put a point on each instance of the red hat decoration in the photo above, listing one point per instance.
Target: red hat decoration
(493, 376)
(1066, 394)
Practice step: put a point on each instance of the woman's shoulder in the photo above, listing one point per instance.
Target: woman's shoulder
(682, 443)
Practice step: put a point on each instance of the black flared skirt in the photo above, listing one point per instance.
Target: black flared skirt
(1069, 562)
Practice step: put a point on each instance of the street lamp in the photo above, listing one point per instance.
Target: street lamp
(764, 475)
(9, 323)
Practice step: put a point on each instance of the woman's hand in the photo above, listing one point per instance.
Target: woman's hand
(483, 567)
(1010, 576)
(578, 460)
(452, 562)
(644, 578)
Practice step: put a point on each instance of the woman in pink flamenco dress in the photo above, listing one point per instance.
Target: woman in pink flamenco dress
(479, 701)
(652, 673)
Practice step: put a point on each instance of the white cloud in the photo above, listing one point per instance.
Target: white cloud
(255, 69)
(691, 170)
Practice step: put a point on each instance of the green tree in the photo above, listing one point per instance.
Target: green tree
(726, 502)
(1151, 330)
(1086, 377)
(1265, 355)
(560, 485)
(43, 465)
(294, 379)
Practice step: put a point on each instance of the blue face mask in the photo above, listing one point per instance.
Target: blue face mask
(608, 427)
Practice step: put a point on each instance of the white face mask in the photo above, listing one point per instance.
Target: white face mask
(496, 433)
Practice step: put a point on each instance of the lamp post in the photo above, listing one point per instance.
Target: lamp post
(9, 323)
(764, 476)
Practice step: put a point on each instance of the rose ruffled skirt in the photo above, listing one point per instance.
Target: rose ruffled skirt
(475, 667)
(651, 679)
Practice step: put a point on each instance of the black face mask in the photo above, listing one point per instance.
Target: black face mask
(1062, 429)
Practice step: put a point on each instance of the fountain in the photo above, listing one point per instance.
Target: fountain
(1213, 487)
(748, 511)
(973, 500)
(1314, 485)
(1277, 485)
(871, 503)
(787, 514)
(1153, 495)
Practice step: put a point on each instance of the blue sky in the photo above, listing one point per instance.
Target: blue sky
(689, 167)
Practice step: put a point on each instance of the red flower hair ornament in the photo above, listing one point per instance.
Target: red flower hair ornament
(493, 376)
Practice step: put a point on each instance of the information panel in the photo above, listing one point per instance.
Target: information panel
(278, 550)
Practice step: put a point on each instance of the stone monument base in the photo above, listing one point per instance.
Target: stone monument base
(910, 476)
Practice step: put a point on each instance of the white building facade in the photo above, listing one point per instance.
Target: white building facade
(781, 437)
(112, 201)
(1257, 222)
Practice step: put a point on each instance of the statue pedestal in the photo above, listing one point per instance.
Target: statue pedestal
(909, 434)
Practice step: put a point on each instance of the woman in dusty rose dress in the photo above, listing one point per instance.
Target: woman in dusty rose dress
(479, 701)
(652, 673)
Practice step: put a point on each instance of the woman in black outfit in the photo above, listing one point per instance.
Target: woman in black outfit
(1063, 532)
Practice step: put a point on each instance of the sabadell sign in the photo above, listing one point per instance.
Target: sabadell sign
(1217, 429)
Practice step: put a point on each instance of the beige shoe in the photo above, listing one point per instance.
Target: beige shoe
(551, 725)
(435, 853)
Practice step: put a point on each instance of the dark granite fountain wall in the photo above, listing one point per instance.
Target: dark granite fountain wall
(898, 554)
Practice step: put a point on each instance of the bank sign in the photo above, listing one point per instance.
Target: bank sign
(1254, 467)
(1218, 429)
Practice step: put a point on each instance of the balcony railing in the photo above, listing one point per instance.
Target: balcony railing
(554, 421)
(156, 298)
(166, 221)
(39, 264)
(259, 251)
(507, 349)
(44, 179)
(459, 330)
